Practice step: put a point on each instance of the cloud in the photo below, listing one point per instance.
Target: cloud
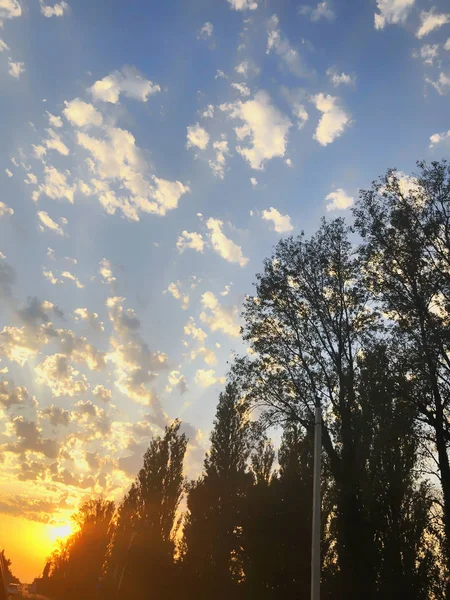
(55, 186)
(220, 75)
(282, 223)
(30, 439)
(242, 88)
(11, 396)
(9, 9)
(225, 247)
(207, 378)
(3, 46)
(16, 68)
(178, 381)
(49, 223)
(243, 4)
(438, 138)
(57, 10)
(340, 78)
(7, 278)
(220, 318)
(430, 20)
(128, 82)
(281, 45)
(218, 164)
(208, 113)
(82, 114)
(442, 85)
(102, 393)
(9, 172)
(91, 318)
(264, 124)
(118, 160)
(447, 45)
(191, 240)
(54, 142)
(197, 137)
(323, 10)
(57, 416)
(253, 181)
(333, 121)
(427, 53)
(246, 68)
(174, 290)
(54, 120)
(56, 372)
(392, 12)
(68, 275)
(339, 200)
(295, 98)
(5, 211)
(106, 272)
(206, 31)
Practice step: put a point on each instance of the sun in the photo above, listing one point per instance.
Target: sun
(61, 531)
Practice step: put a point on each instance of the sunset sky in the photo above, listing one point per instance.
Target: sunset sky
(152, 154)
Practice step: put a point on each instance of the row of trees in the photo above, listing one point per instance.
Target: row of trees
(362, 327)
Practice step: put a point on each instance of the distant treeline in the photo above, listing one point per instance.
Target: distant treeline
(358, 318)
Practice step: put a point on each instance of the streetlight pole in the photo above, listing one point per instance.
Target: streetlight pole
(315, 545)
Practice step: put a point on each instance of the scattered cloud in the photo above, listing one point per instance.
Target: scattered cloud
(5, 211)
(242, 88)
(102, 393)
(253, 181)
(296, 99)
(339, 200)
(91, 318)
(438, 138)
(323, 10)
(247, 69)
(3, 46)
(264, 124)
(49, 223)
(128, 82)
(282, 223)
(174, 290)
(9, 9)
(447, 45)
(208, 113)
(430, 20)
(225, 247)
(10, 396)
(218, 164)
(428, 52)
(337, 78)
(218, 317)
(82, 114)
(57, 10)
(392, 12)
(280, 44)
(178, 381)
(243, 4)
(56, 373)
(191, 240)
(9, 173)
(54, 142)
(55, 185)
(54, 120)
(206, 31)
(68, 275)
(220, 75)
(333, 121)
(207, 378)
(16, 68)
(442, 85)
(197, 137)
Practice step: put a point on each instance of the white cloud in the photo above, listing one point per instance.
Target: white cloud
(57, 10)
(447, 45)
(68, 275)
(427, 53)
(128, 82)
(51, 277)
(5, 211)
(225, 247)
(102, 393)
(430, 21)
(197, 137)
(178, 381)
(82, 114)
(264, 124)
(295, 98)
(91, 318)
(333, 121)
(242, 88)
(281, 45)
(340, 78)
(442, 85)
(55, 186)
(218, 165)
(174, 290)
(438, 138)
(9, 9)
(253, 181)
(208, 113)
(339, 200)
(243, 4)
(207, 378)
(3, 46)
(220, 75)
(16, 68)
(106, 272)
(206, 31)
(54, 142)
(323, 10)
(48, 222)
(54, 120)
(56, 372)
(282, 223)
(247, 69)
(9, 173)
(191, 240)
(218, 317)
(195, 332)
(392, 12)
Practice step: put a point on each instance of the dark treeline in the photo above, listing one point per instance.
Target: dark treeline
(357, 318)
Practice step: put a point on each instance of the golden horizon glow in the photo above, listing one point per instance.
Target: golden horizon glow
(60, 531)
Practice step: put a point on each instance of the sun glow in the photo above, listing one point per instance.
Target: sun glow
(60, 531)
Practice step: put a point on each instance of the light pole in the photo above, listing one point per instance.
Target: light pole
(315, 544)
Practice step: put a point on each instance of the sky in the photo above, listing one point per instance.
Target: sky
(152, 154)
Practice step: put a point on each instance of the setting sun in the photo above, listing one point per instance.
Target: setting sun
(60, 531)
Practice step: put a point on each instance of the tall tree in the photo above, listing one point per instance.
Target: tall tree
(213, 525)
(405, 224)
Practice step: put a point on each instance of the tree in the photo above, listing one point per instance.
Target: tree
(405, 224)
(213, 524)
(141, 554)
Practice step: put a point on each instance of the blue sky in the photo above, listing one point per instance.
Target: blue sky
(152, 154)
